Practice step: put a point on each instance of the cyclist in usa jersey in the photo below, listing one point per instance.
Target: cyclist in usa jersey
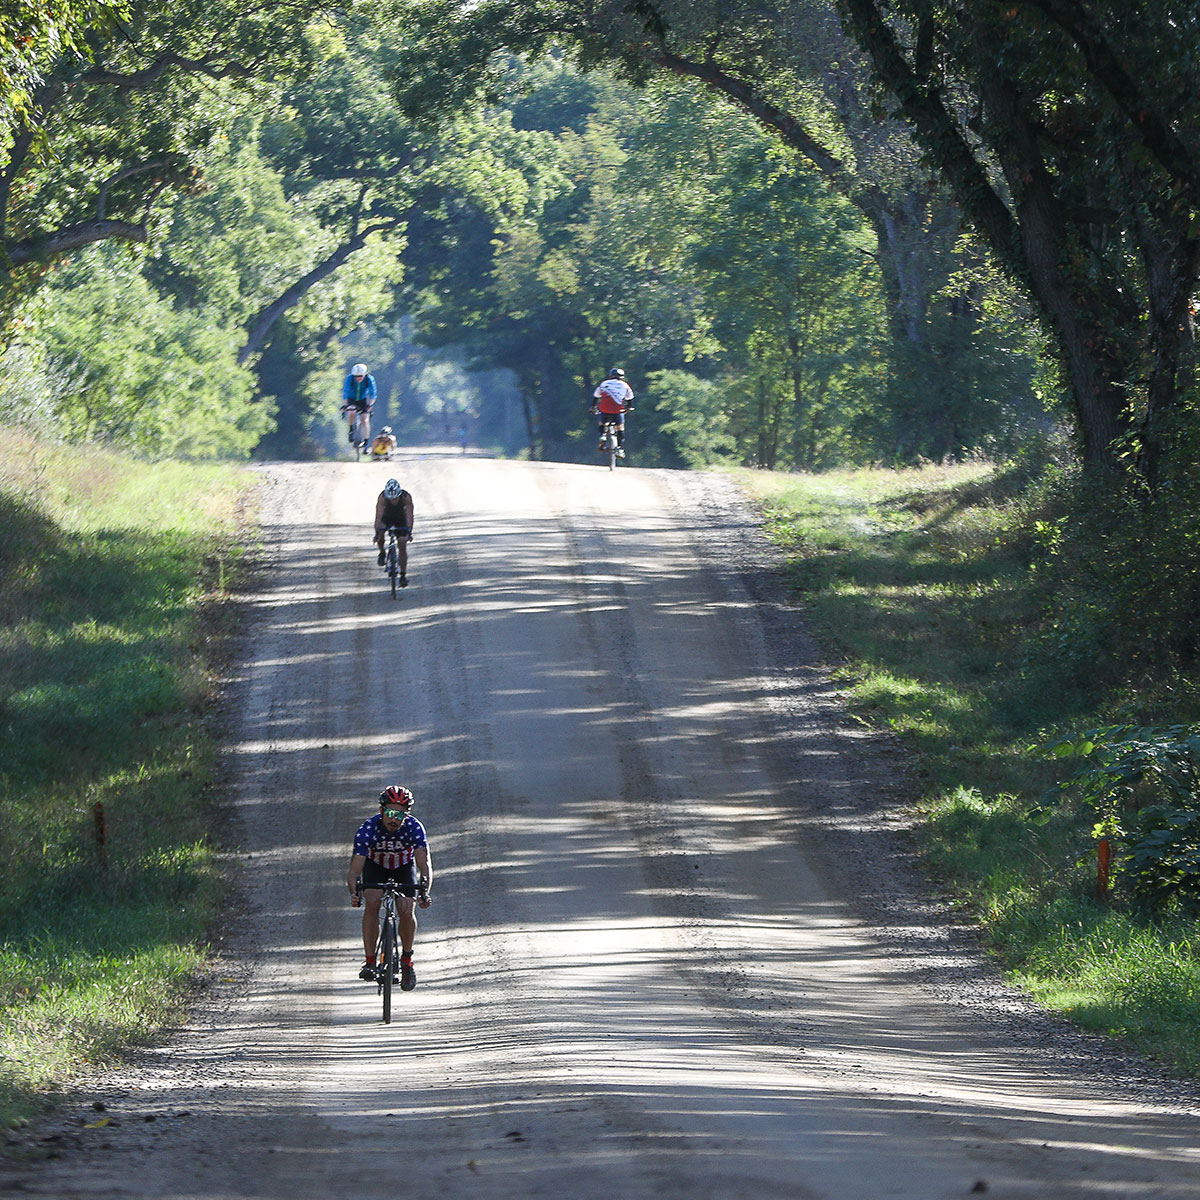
(390, 845)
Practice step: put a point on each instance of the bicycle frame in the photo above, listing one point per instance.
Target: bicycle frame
(360, 426)
(387, 948)
(392, 560)
(610, 442)
(387, 943)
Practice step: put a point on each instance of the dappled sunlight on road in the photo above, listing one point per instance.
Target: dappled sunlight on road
(639, 977)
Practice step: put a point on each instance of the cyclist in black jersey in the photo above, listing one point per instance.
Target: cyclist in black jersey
(394, 510)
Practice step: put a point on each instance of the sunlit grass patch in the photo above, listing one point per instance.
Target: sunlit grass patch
(1117, 976)
(66, 1008)
(920, 583)
(105, 631)
(919, 580)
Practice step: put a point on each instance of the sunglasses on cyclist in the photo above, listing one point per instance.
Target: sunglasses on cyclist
(396, 814)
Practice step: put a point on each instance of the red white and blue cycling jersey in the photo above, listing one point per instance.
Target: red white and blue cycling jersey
(389, 850)
(613, 396)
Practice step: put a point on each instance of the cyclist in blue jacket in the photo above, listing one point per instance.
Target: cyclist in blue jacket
(358, 398)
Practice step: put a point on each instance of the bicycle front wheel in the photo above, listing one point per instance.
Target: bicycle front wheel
(393, 568)
(390, 959)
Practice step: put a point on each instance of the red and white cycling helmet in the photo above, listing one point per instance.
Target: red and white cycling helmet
(395, 797)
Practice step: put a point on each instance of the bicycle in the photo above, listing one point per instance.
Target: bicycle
(387, 949)
(609, 443)
(391, 560)
(360, 429)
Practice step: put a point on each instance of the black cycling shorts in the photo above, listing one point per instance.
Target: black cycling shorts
(402, 532)
(375, 876)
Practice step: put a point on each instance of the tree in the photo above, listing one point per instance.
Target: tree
(122, 363)
(788, 66)
(33, 36)
(117, 116)
(1069, 133)
(368, 178)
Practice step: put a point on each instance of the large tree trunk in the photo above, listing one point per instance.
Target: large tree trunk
(1170, 272)
(1028, 240)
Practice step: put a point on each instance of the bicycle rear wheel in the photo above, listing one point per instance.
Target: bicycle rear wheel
(390, 960)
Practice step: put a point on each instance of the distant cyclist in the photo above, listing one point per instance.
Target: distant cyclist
(390, 845)
(613, 398)
(358, 398)
(394, 510)
(384, 444)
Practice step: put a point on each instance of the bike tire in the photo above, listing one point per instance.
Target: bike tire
(393, 568)
(390, 959)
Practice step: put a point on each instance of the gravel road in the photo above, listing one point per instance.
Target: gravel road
(677, 948)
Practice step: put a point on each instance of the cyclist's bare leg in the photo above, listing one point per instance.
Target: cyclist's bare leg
(365, 426)
(619, 421)
(372, 899)
(407, 920)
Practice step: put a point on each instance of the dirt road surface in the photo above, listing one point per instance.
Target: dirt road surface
(674, 950)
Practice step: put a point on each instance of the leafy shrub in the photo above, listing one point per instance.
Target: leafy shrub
(696, 424)
(1118, 565)
(1144, 785)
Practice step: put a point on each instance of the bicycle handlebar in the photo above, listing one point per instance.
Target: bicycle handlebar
(390, 885)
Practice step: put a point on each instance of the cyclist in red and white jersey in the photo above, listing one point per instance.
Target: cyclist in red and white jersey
(613, 398)
(390, 845)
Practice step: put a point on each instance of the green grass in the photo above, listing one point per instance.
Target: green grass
(919, 582)
(112, 576)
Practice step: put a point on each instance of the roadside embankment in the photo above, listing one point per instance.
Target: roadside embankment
(933, 587)
(116, 578)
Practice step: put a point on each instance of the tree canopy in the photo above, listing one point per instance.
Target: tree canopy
(770, 199)
(1057, 128)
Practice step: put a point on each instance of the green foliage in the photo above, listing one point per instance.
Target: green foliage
(123, 364)
(697, 424)
(1119, 570)
(34, 34)
(794, 309)
(1067, 134)
(887, 350)
(105, 609)
(108, 135)
(1144, 784)
(239, 243)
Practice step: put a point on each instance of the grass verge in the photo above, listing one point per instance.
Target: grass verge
(112, 574)
(919, 581)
